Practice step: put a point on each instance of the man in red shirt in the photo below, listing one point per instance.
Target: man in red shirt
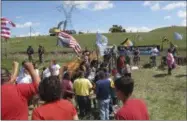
(15, 98)
(133, 109)
(54, 108)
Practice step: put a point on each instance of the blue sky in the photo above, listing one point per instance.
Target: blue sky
(94, 15)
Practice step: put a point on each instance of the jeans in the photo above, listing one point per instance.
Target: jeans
(104, 109)
(84, 105)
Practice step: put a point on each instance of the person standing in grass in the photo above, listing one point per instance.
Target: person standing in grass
(126, 70)
(30, 52)
(54, 108)
(120, 63)
(67, 86)
(154, 53)
(132, 109)
(136, 57)
(41, 52)
(170, 61)
(103, 91)
(82, 88)
(55, 68)
(14, 102)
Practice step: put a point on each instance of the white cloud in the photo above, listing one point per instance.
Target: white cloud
(95, 30)
(79, 4)
(99, 31)
(174, 5)
(147, 3)
(139, 29)
(167, 17)
(155, 7)
(27, 24)
(28, 34)
(97, 5)
(18, 17)
(103, 5)
(181, 14)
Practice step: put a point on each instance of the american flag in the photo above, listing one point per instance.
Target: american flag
(5, 31)
(67, 40)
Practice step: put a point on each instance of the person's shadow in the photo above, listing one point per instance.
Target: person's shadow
(160, 75)
(180, 76)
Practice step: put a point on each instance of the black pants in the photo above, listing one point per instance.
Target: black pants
(114, 100)
(136, 60)
(41, 58)
(84, 104)
(169, 70)
(127, 75)
(30, 57)
(153, 58)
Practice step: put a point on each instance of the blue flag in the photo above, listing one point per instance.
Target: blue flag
(101, 42)
(177, 36)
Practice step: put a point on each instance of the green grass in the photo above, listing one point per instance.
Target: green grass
(165, 95)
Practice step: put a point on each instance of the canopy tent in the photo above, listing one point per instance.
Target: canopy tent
(127, 43)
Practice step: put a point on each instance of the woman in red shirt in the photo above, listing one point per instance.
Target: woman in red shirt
(67, 86)
(133, 109)
(54, 108)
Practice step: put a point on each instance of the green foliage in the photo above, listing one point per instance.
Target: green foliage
(116, 28)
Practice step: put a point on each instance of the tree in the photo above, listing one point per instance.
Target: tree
(81, 32)
(124, 30)
(116, 28)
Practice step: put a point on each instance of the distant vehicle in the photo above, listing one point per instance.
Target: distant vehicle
(55, 30)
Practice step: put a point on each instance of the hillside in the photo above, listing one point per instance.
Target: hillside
(172, 29)
(88, 40)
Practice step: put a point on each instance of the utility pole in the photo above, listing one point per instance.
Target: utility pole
(30, 32)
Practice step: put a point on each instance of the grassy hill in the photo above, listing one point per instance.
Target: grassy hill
(88, 40)
(170, 29)
(17, 46)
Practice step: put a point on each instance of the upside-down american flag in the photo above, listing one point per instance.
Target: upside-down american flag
(5, 31)
(66, 40)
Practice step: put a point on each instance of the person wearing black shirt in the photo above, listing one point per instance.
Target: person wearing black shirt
(30, 52)
(41, 51)
(136, 56)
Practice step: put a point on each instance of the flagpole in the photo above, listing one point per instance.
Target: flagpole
(6, 55)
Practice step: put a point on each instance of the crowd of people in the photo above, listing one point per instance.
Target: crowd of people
(72, 95)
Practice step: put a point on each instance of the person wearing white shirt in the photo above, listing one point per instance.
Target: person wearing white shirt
(23, 77)
(55, 68)
(154, 53)
(46, 73)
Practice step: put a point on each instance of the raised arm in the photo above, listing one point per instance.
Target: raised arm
(15, 72)
(30, 68)
(28, 90)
